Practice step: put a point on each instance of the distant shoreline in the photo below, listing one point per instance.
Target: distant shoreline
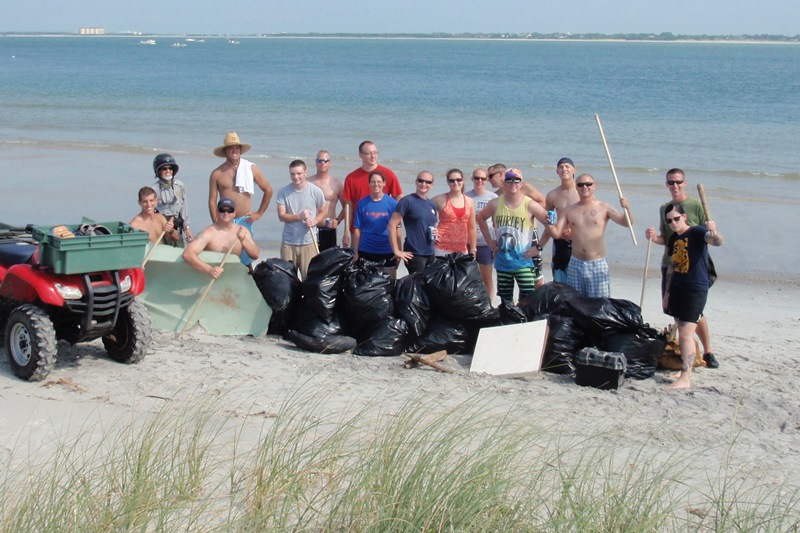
(633, 38)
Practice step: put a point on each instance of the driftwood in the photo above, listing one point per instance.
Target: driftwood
(430, 360)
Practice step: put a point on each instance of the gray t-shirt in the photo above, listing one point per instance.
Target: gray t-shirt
(311, 198)
(480, 203)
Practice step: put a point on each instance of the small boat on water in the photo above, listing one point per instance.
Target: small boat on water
(231, 41)
(179, 45)
(148, 41)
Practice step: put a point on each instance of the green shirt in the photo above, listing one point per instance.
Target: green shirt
(695, 215)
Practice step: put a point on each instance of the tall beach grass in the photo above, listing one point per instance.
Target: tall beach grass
(194, 467)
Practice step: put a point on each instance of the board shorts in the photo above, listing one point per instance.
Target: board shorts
(590, 278)
(686, 304)
(244, 258)
(525, 278)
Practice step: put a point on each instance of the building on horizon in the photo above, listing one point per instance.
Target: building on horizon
(92, 31)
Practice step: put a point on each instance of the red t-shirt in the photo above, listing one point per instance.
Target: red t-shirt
(356, 185)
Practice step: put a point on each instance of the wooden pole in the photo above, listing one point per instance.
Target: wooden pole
(153, 249)
(616, 179)
(702, 192)
(205, 293)
(347, 225)
(646, 266)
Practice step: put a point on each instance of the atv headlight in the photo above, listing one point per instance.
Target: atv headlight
(69, 292)
(125, 284)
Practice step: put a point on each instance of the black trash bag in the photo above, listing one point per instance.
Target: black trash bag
(327, 344)
(642, 350)
(541, 302)
(279, 323)
(307, 322)
(564, 340)
(322, 286)
(411, 303)
(456, 288)
(599, 317)
(278, 282)
(389, 337)
(454, 336)
(367, 295)
(504, 315)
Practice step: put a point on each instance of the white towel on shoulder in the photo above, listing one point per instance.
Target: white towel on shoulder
(244, 177)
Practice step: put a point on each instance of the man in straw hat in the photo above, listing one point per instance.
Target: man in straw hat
(236, 179)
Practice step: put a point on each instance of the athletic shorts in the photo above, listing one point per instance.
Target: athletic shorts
(525, 278)
(484, 255)
(590, 278)
(244, 258)
(686, 304)
(562, 252)
(327, 239)
(384, 260)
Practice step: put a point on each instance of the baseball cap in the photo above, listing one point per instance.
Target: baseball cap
(513, 173)
(564, 160)
(226, 202)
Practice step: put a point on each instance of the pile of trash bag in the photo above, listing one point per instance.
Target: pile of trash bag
(343, 306)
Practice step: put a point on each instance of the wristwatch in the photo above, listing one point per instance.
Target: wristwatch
(538, 247)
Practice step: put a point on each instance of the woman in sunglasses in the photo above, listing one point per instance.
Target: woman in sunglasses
(687, 282)
(457, 230)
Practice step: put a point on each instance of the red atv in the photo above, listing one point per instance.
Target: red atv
(44, 301)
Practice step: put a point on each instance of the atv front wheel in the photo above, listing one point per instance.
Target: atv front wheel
(129, 340)
(31, 342)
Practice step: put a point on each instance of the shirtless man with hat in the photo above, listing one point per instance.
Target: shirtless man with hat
(236, 179)
(221, 236)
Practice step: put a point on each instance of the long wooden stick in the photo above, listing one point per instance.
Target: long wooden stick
(314, 240)
(646, 266)
(347, 224)
(616, 179)
(153, 249)
(205, 293)
(702, 192)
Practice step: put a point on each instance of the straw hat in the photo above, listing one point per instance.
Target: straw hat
(231, 139)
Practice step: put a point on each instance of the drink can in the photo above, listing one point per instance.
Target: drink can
(552, 216)
(430, 233)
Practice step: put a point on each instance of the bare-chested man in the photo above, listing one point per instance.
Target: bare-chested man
(220, 237)
(150, 221)
(236, 179)
(332, 188)
(587, 219)
(497, 173)
(559, 199)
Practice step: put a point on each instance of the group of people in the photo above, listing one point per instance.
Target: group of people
(500, 228)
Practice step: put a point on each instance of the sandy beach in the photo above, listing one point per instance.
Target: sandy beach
(743, 417)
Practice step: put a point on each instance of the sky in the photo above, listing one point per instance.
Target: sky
(689, 17)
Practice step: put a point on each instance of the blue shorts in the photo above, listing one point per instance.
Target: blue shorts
(590, 278)
(244, 258)
(484, 255)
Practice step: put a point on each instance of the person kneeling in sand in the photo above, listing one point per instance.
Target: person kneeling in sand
(687, 282)
(222, 236)
(150, 221)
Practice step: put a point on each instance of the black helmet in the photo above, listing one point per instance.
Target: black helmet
(162, 160)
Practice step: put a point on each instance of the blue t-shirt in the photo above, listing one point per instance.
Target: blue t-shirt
(689, 253)
(418, 216)
(372, 218)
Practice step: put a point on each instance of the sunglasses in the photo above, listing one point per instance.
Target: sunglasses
(479, 178)
(513, 180)
(323, 160)
(582, 185)
(426, 182)
(162, 169)
(671, 220)
(455, 180)
(225, 210)
(675, 182)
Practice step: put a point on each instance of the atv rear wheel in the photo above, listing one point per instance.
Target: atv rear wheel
(129, 340)
(31, 342)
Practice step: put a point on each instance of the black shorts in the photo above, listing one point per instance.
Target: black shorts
(327, 239)
(686, 304)
(384, 260)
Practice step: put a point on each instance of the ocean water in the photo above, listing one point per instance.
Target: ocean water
(81, 119)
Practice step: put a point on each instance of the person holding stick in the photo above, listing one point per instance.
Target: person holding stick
(155, 224)
(687, 282)
(676, 183)
(587, 219)
(222, 236)
(301, 208)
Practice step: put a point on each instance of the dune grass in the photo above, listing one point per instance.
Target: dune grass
(192, 467)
